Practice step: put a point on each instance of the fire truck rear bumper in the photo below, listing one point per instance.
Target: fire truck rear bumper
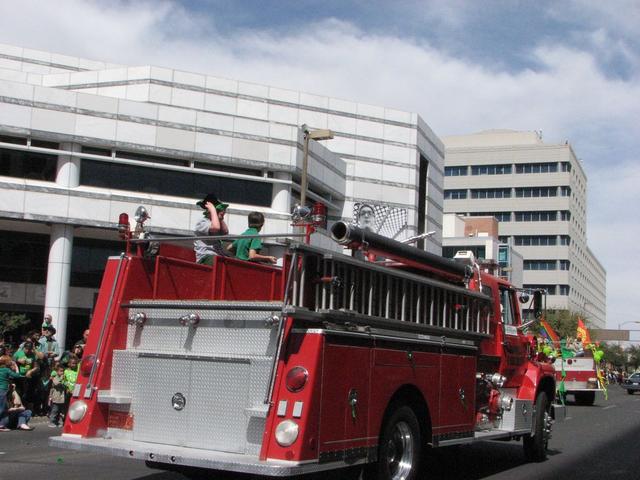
(174, 456)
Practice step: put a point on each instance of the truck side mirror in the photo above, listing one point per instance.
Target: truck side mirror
(537, 304)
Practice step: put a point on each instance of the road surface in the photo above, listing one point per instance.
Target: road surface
(594, 443)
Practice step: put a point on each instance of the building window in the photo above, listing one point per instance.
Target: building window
(140, 179)
(564, 289)
(23, 257)
(550, 289)
(541, 216)
(565, 240)
(88, 260)
(565, 215)
(491, 193)
(539, 265)
(28, 165)
(455, 194)
(500, 216)
(566, 167)
(503, 239)
(565, 191)
(526, 192)
(536, 167)
(565, 264)
(534, 240)
(456, 171)
(490, 169)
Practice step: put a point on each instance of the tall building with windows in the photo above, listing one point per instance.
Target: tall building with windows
(82, 141)
(538, 194)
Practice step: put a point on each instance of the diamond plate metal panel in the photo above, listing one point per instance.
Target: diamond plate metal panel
(519, 417)
(160, 333)
(155, 418)
(218, 398)
(255, 429)
(222, 367)
(219, 332)
(124, 373)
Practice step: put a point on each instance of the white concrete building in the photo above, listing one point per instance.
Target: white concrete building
(82, 141)
(538, 193)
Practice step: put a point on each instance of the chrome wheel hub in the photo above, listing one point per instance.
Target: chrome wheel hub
(400, 451)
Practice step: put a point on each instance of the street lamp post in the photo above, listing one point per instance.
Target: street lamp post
(322, 134)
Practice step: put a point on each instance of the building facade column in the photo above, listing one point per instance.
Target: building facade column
(281, 197)
(56, 300)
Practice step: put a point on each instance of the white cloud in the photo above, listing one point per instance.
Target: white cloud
(567, 96)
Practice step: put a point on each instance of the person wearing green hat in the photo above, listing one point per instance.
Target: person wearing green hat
(212, 223)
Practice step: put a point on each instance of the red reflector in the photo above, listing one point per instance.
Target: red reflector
(87, 364)
(569, 361)
(123, 420)
(297, 379)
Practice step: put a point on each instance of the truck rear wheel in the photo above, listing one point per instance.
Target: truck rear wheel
(400, 446)
(535, 447)
(585, 398)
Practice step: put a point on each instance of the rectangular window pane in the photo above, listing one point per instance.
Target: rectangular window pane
(28, 165)
(182, 184)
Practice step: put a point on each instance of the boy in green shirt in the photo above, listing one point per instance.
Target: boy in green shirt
(249, 248)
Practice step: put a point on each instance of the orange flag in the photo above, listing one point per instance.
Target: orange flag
(582, 333)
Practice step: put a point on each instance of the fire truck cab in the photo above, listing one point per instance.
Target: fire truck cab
(327, 362)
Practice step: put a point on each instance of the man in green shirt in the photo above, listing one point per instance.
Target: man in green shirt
(249, 248)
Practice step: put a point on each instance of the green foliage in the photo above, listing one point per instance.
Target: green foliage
(564, 322)
(614, 354)
(12, 321)
(633, 356)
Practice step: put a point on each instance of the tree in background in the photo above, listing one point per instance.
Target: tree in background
(564, 322)
(10, 322)
(633, 356)
(614, 354)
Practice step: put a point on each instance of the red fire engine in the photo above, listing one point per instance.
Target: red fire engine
(329, 361)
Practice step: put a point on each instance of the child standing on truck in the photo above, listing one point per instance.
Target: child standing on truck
(212, 223)
(249, 248)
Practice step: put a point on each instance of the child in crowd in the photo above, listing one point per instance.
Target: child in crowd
(57, 396)
(249, 248)
(70, 374)
(8, 372)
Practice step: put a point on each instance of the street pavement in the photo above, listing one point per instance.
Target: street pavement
(594, 442)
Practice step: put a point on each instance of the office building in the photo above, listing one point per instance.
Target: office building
(82, 141)
(538, 194)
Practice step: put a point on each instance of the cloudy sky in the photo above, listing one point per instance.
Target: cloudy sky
(568, 68)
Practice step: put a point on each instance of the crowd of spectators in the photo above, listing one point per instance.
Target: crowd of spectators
(37, 378)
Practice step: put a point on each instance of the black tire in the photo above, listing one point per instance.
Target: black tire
(630, 392)
(585, 398)
(535, 447)
(400, 447)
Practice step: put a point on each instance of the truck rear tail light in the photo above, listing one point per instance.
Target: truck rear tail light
(569, 361)
(86, 365)
(297, 379)
(286, 433)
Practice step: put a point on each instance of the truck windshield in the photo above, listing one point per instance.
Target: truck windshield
(508, 317)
